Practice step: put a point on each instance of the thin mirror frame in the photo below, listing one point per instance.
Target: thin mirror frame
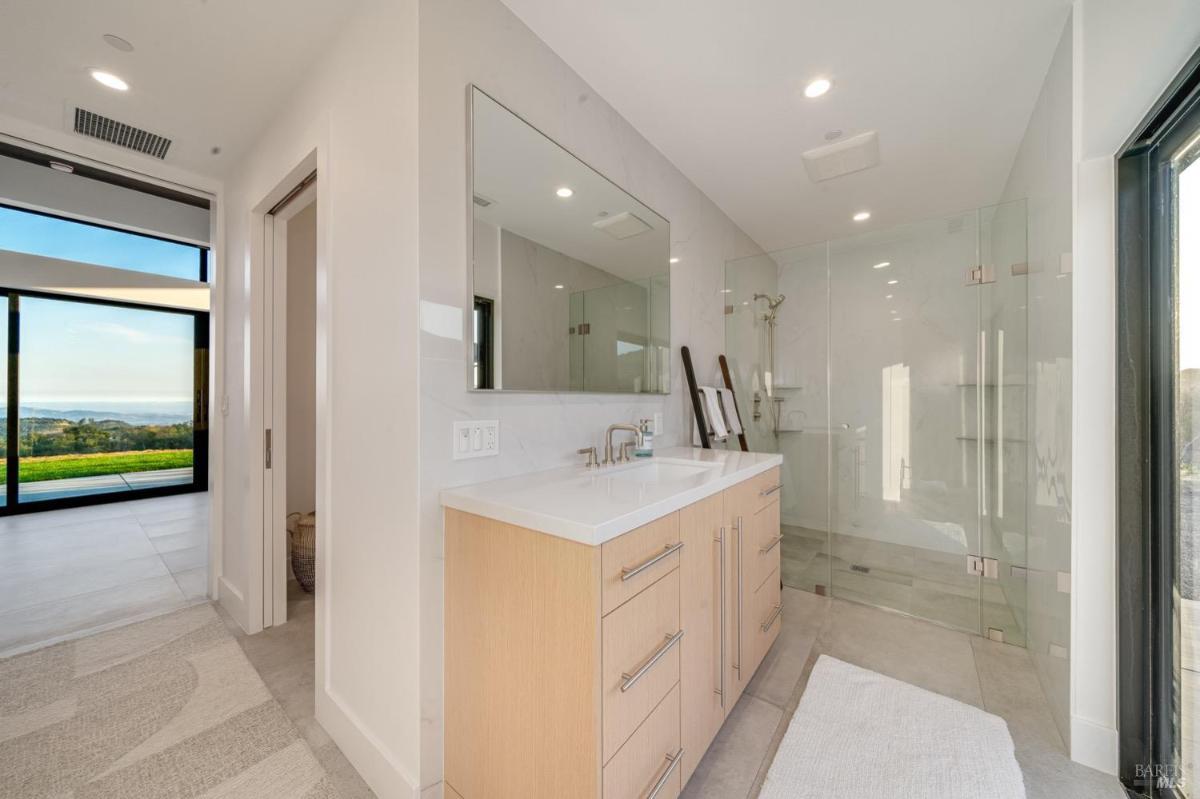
(469, 300)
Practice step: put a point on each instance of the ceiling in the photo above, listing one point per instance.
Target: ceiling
(205, 73)
(717, 86)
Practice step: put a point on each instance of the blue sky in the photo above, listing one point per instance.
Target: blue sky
(43, 235)
(84, 355)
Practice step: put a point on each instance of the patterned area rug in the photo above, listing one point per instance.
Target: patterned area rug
(167, 708)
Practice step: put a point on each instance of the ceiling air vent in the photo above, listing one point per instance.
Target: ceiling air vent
(120, 134)
(842, 157)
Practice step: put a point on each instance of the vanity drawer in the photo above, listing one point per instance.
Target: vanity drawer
(649, 757)
(763, 543)
(764, 488)
(767, 618)
(640, 654)
(636, 559)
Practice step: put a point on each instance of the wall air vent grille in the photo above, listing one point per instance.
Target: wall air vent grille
(120, 134)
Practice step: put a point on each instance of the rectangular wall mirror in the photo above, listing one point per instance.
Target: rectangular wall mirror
(570, 273)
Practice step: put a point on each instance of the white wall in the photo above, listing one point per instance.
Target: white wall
(1125, 55)
(1041, 173)
(353, 117)
(302, 360)
(465, 41)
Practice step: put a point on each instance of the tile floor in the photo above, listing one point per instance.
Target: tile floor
(996, 677)
(921, 582)
(67, 573)
(285, 658)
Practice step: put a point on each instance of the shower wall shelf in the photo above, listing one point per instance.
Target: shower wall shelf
(992, 440)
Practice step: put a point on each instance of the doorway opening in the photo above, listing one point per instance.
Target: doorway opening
(290, 405)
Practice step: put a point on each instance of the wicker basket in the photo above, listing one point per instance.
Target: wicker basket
(302, 530)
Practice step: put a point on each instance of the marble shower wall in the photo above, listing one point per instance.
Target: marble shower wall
(533, 316)
(482, 42)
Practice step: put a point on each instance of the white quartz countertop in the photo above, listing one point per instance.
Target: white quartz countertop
(595, 505)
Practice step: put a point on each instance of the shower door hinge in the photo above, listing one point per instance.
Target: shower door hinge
(983, 567)
(980, 274)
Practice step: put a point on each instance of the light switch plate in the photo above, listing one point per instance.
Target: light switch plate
(478, 438)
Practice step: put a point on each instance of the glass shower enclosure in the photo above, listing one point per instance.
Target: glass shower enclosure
(891, 376)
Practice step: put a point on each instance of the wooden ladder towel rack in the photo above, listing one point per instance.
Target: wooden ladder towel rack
(698, 402)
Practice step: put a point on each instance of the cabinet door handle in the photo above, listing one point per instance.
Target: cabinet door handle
(739, 598)
(630, 680)
(660, 783)
(766, 625)
(721, 628)
(629, 572)
(774, 543)
(766, 492)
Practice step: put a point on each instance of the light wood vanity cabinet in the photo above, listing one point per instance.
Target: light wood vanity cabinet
(604, 671)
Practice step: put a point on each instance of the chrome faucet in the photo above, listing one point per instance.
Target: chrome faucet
(608, 444)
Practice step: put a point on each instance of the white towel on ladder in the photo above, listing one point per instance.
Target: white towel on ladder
(712, 409)
(731, 415)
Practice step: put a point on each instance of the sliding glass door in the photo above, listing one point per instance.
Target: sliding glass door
(105, 399)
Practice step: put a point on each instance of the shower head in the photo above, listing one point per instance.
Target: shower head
(772, 302)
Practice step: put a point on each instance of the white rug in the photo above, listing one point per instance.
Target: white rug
(860, 734)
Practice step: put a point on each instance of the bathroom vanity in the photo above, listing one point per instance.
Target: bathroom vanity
(601, 623)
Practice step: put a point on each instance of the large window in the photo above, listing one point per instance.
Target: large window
(102, 399)
(54, 237)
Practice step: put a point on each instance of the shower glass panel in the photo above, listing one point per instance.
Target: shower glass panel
(895, 392)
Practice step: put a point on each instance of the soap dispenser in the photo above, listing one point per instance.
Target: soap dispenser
(645, 445)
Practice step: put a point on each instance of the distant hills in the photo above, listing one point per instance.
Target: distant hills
(132, 416)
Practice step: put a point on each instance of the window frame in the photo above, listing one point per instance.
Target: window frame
(1147, 505)
(200, 408)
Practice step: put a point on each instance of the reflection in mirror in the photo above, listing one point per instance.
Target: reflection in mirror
(570, 273)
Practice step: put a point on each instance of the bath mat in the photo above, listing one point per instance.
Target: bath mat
(860, 734)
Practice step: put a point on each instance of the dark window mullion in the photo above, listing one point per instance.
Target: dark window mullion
(14, 421)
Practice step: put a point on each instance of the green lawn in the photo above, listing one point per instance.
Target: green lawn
(58, 467)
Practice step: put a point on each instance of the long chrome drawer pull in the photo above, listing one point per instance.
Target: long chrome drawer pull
(629, 680)
(629, 572)
(766, 492)
(721, 630)
(766, 625)
(672, 762)
(774, 543)
(738, 667)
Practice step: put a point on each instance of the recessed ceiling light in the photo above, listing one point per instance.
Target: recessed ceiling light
(893, 282)
(61, 167)
(883, 264)
(897, 319)
(559, 286)
(110, 80)
(888, 297)
(862, 216)
(817, 87)
(675, 260)
(564, 192)
(117, 42)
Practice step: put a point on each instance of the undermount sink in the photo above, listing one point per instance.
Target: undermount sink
(658, 472)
